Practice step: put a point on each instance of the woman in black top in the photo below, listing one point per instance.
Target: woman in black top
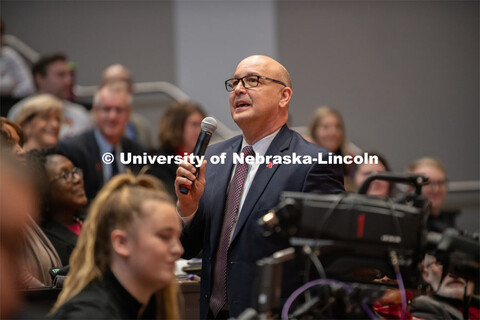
(63, 200)
(123, 265)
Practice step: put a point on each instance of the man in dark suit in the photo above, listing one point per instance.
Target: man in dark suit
(225, 201)
(111, 112)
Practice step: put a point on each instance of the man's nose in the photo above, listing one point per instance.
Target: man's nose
(239, 87)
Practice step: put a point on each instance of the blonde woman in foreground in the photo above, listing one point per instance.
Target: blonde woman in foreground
(123, 265)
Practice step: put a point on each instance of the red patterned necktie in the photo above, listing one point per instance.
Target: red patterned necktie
(219, 291)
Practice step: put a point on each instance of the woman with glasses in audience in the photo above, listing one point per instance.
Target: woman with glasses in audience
(435, 191)
(40, 118)
(63, 198)
(123, 265)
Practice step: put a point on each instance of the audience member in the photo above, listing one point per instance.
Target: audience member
(52, 75)
(377, 187)
(40, 119)
(447, 301)
(64, 197)
(178, 132)
(435, 191)
(118, 72)
(15, 78)
(18, 200)
(219, 217)
(111, 111)
(327, 130)
(38, 254)
(123, 265)
(179, 127)
(138, 128)
(12, 136)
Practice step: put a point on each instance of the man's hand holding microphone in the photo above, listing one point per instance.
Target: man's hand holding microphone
(190, 182)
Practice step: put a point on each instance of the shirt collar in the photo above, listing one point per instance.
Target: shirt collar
(103, 144)
(261, 146)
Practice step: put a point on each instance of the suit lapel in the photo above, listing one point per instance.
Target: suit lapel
(219, 182)
(278, 146)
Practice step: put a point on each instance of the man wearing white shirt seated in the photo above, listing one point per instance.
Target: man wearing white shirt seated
(51, 74)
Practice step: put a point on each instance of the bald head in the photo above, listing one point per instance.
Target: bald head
(262, 108)
(272, 66)
(117, 72)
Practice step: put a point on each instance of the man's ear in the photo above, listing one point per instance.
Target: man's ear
(286, 96)
(121, 242)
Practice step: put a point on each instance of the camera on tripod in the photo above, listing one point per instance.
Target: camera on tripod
(356, 238)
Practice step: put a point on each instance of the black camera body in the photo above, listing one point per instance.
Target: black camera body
(354, 233)
(356, 238)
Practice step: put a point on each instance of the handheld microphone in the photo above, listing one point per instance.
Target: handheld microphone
(209, 125)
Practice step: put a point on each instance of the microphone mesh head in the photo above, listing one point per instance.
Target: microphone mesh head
(209, 124)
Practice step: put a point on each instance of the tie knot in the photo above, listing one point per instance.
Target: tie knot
(248, 151)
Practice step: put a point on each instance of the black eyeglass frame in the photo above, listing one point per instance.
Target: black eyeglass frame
(230, 89)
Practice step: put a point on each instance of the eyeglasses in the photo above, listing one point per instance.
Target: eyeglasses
(107, 110)
(68, 176)
(248, 82)
(436, 184)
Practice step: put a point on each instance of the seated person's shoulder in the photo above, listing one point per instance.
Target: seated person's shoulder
(82, 310)
(91, 303)
(77, 141)
(130, 145)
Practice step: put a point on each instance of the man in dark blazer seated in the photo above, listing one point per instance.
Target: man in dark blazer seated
(111, 113)
(225, 201)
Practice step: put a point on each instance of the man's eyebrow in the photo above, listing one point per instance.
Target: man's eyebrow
(248, 74)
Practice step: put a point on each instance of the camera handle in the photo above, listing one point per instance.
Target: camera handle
(412, 179)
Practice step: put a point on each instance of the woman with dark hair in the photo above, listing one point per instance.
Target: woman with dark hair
(178, 131)
(123, 265)
(179, 127)
(64, 196)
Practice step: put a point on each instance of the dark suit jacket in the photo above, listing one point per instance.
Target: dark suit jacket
(83, 151)
(167, 173)
(63, 239)
(248, 244)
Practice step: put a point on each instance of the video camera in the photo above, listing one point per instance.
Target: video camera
(356, 236)
(355, 231)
